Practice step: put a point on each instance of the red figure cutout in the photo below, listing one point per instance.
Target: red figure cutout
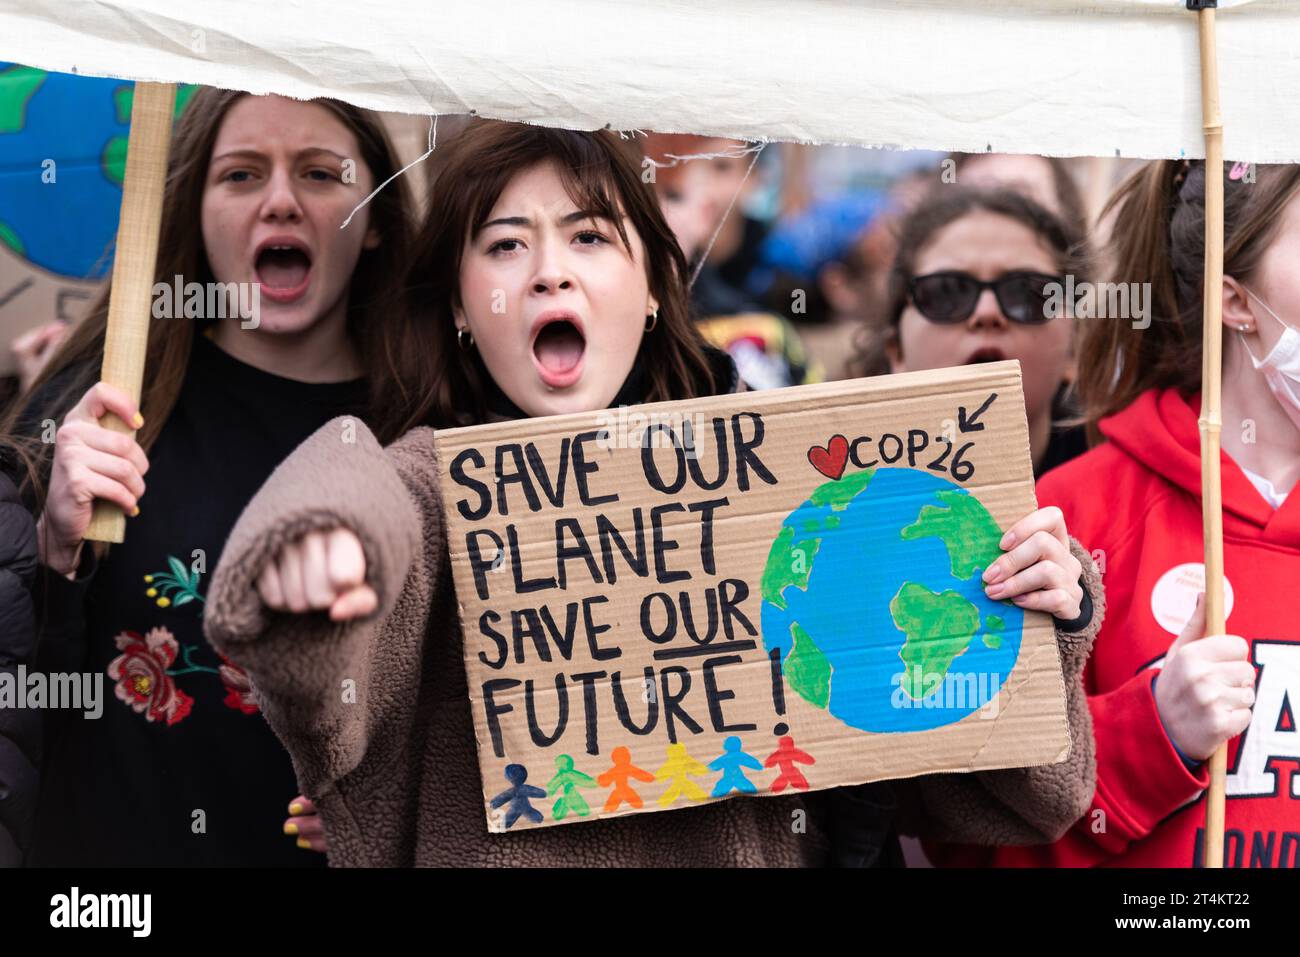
(785, 757)
(618, 775)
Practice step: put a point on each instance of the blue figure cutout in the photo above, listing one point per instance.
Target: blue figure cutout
(731, 763)
(518, 794)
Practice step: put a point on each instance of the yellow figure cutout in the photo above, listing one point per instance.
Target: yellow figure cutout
(678, 770)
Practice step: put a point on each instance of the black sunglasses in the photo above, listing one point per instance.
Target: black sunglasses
(950, 297)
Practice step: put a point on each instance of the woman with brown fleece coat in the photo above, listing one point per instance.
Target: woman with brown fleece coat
(371, 699)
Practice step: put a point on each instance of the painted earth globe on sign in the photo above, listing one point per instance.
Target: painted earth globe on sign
(874, 601)
(63, 142)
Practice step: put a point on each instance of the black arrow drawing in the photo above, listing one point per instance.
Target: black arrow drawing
(967, 423)
(21, 287)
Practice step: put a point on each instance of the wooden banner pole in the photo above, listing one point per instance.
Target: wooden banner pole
(134, 260)
(1211, 421)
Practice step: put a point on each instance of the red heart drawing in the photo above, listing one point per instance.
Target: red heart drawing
(830, 460)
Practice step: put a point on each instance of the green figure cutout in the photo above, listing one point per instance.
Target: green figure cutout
(569, 780)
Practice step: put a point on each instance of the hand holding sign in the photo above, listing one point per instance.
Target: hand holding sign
(321, 570)
(1038, 571)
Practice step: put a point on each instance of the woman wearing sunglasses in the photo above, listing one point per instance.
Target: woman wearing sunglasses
(972, 281)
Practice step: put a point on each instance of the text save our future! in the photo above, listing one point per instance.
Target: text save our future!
(651, 542)
(604, 550)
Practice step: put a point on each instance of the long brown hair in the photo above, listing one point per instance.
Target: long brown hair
(1063, 236)
(434, 382)
(1158, 237)
(76, 366)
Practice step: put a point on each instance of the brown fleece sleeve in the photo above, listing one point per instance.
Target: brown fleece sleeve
(1034, 805)
(311, 676)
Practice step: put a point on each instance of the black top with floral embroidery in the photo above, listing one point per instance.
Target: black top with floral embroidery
(180, 769)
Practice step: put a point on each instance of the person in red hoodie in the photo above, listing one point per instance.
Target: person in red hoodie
(1162, 696)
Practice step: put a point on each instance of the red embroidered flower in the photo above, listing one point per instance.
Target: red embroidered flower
(142, 679)
(239, 690)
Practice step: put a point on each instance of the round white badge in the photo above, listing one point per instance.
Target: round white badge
(1174, 598)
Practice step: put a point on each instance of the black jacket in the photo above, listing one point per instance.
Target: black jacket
(20, 728)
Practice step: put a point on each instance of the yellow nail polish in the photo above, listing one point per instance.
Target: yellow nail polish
(290, 827)
(135, 511)
(138, 421)
(296, 808)
(304, 843)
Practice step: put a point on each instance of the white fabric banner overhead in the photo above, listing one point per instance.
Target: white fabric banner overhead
(1099, 78)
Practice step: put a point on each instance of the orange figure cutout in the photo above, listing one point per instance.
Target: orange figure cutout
(785, 757)
(618, 776)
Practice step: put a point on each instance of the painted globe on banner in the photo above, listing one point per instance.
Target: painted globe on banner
(874, 601)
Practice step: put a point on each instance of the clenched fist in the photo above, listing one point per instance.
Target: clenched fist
(320, 570)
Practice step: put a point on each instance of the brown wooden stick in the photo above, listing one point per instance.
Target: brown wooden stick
(1211, 421)
(134, 260)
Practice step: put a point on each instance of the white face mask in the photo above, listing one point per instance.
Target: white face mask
(1281, 367)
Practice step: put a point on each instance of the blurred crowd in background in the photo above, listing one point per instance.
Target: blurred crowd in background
(791, 246)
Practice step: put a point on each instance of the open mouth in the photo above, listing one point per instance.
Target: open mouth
(558, 349)
(986, 354)
(284, 270)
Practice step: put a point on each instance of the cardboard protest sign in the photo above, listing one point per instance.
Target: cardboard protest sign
(748, 594)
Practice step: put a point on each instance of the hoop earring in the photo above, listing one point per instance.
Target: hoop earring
(464, 339)
(654, 321)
